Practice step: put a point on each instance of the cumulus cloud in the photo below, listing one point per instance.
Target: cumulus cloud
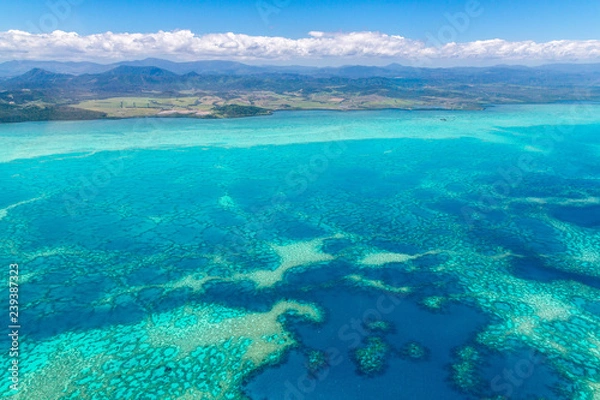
(184, 45)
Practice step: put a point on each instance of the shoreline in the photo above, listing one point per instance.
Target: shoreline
(211, 117)
(177, 115)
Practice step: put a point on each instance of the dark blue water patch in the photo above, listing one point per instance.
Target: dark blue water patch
(344, 330)
(546, 239)
(430, 260)
(147, 275)
(213, 235)
(123, 243)
(91, 286)
(523, 208)
(423, 283)
(181, 235)
(314, 274)
(52, 229)
(403, 181)
(221, 271)
(369, 186)
(33, 292)
(586, 217)
(224, 218)
(69, 314)
(288, 227)
(450, 206)
(593, 307)
(189, 264)
(364, 218)
(487, 238)
(392, 274)
(242, 295)
(145, 244)
(53, 273)
(126, 309)
(521, 374)
(497, 217)
(60, 293)
(147, 298)
(516, 236)
(534, 268)
(468, 212)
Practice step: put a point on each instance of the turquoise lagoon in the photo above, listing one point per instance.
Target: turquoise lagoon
(306, 255)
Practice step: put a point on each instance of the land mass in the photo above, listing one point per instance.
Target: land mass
(217, 89)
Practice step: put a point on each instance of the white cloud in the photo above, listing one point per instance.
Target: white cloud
(184, 45)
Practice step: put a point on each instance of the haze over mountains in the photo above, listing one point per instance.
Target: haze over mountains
(217, 67)
(15, 68)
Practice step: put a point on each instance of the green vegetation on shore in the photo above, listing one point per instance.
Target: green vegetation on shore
(11, 113)
(236, 110)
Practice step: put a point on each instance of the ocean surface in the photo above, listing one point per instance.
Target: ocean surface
(305, 255)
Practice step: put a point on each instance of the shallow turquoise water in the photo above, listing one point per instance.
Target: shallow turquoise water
(168, 259)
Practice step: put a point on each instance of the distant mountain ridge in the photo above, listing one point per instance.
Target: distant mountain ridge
(126, 79)
(219, 67)
(16, 68)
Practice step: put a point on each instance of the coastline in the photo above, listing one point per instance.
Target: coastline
(271, 112)
(268, 112)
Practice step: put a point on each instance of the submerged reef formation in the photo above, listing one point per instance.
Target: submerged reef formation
(541, 316)
(414, 351)
(291, 256)
(465, 370)
(364, 282)
(196, 351)
(434, 303)
(376, 259)
(379, 326)
(317, 361)
(370, 359)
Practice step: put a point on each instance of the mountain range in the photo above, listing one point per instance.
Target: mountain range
(217, 67)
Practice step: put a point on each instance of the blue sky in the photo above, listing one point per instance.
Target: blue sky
(506, 19)
(425, 23)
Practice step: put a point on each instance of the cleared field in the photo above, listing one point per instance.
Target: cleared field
(203, 105)
(123, 107)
